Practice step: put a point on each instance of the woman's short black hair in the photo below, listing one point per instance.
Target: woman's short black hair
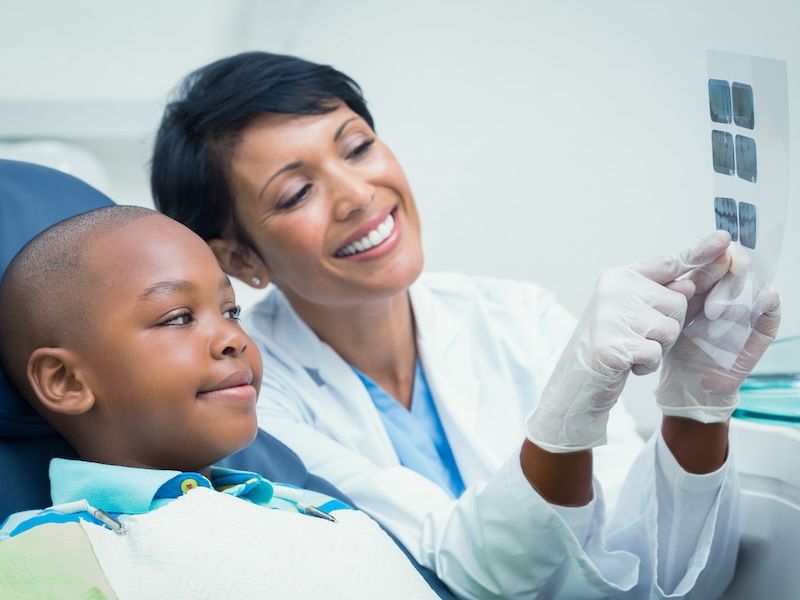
(201, 128)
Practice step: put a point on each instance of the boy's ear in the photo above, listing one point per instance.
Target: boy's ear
(240, 261)
(57, 385)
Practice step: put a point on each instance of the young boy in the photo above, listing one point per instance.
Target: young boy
(121, 330)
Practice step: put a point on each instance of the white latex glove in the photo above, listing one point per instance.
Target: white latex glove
(632, 319)
(693, 384)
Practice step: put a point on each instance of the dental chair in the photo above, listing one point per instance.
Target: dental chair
(32, 198)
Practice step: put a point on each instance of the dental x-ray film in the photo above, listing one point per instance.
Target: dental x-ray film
(748, 121)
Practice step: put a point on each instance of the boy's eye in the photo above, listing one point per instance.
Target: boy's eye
(233, 313)
(181, 319)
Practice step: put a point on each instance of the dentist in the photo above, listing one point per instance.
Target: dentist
(476, 419)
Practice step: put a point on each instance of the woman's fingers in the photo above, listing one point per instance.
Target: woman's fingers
(669, 267)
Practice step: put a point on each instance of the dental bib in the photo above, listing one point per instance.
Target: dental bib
(211, 545)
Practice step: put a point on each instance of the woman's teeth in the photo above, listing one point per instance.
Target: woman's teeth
(373, 238)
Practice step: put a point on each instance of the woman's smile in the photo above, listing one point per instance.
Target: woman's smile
(377, 239)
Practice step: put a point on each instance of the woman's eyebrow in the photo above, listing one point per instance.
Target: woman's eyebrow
(298, 164)
(289, 167)
(341, 128)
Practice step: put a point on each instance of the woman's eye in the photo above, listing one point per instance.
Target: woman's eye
(181, 319)
(233, 313)
(296, 198)
(361, 149)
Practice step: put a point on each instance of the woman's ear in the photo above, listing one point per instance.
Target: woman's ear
(57, 384)
(240, 261)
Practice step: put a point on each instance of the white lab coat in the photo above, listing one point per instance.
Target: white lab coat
(487, 348)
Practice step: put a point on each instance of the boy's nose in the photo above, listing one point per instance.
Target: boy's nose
(229, 340)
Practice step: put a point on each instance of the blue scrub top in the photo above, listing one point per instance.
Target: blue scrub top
(417, 434)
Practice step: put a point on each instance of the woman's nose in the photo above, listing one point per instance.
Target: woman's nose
(352, 192)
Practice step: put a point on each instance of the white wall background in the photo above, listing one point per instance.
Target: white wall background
(544, 141)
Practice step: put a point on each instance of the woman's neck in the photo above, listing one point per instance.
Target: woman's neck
(377, 338)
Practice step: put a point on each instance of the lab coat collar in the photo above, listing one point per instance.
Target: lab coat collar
(445, 352)
(296, 342)
(285, 324)
(321, 362)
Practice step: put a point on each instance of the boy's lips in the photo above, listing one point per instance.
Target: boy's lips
(237, 384)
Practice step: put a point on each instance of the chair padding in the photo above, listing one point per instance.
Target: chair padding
(32, 198)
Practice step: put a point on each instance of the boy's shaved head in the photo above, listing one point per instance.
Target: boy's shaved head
(44, 291)
(121, 330)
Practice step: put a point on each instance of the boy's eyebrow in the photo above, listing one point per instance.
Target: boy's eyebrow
(164, 288)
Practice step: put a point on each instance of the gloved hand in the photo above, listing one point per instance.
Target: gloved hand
(632, 319)
(693, 383)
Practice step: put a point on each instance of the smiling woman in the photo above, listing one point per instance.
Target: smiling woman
(468, 415)
(307, 188)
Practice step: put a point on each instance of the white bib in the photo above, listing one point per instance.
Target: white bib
(212, 545)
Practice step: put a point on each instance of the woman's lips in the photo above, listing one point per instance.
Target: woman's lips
(369, 238)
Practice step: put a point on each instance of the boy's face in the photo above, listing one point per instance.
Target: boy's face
(174, 375)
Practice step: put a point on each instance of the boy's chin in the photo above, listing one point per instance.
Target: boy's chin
(218, 454)
(246, 442)
(201, 457)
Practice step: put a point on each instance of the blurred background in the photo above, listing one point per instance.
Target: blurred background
(544, 141)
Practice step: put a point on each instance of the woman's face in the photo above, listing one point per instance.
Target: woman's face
(327, 207)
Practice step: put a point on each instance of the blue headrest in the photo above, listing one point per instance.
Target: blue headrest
(32, 198)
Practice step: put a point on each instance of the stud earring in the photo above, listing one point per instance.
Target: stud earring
(255, 281)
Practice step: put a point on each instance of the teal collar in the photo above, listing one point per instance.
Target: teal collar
(131, 490)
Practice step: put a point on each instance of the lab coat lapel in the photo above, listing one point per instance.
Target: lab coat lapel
(445, 355)
(340, 391)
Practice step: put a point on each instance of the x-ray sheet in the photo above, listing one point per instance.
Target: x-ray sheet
(748, 125)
